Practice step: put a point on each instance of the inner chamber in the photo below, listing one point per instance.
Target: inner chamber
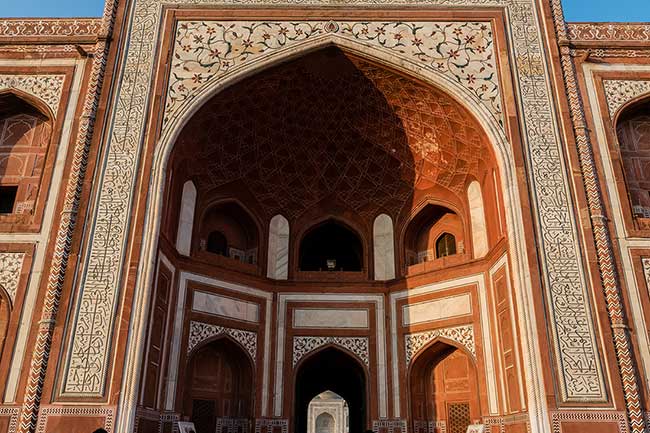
(326, 174)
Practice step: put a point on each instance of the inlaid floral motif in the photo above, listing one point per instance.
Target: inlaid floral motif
(10, 266)
(48, 88)
(620, 92)
(305, 345)
(207, 50)
(463, 335)
(200, 332)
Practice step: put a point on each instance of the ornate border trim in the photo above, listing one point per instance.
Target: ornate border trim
(200, 332)
(589, 417)
(47, 88)
(620, 92)
(463, 335)
(302, 346)
(85, 411)
(13, 413)
(18, 28)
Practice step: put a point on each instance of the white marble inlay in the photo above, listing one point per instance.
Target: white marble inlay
(330, 318)
(225, 307)
(437, 309)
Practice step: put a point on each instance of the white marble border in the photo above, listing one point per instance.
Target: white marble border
(41, 239)
(478, 280)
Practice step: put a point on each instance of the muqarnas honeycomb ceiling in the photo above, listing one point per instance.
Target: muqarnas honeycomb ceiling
(330, 127)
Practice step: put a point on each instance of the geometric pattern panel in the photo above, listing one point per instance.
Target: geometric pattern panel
(10, 266)
(463, 335)
(302, 346)
(620, 92)
(200, 332)
(576, 356)
(47, 88)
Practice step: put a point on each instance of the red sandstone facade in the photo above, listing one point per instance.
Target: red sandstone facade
(214, 211)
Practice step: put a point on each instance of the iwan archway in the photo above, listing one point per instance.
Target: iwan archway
(399, 203)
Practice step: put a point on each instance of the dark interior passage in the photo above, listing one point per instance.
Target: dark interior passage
(331, 246)
(331, 369)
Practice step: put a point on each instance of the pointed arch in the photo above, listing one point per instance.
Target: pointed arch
(186, 219)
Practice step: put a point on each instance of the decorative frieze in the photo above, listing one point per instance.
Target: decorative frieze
(47, 88)
(11, 265)
(594, 418)
(620, 92)
(66, 28)
(463, 335)
(302, 346)
(108, 413)
(200, 332)
(609, 32)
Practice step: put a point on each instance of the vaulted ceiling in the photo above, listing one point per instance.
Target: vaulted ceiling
(331, 127)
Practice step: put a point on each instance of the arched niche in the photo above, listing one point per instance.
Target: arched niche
(331, 246)
(480, 242)
(444, 388)
(426, 228)
(25, 134)
(218, 385)
(227, 230)
(337, 371)
(328, 412)
(633, 131)
(186, 219)
(278, 254)
(383, 240)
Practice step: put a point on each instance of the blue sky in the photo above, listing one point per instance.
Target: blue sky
(575, 10)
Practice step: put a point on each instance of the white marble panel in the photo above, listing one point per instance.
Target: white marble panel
(477, 215)
(330, 318)
(384, 248)
(437, 309)
(186, 219)
(225, 307)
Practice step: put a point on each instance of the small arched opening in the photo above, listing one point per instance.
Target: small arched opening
(435, 232)
(219, 385)
(633, 131)
(24, 136)
(445, 245)
(331, 246)
(331, 372)
(228, 230)
(444, 389)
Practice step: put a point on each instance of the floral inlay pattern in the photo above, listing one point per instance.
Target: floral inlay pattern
(48, 88)
(463, 335)
(620, 92)
(207, 50)
(10, 266)
(200, 332)
(305, 345)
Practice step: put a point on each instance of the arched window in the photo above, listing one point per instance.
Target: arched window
(217, 243)
(331, 246)
(445, 245)
(24, 141)
(435, 232)
(228, 230)
(633, 130)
